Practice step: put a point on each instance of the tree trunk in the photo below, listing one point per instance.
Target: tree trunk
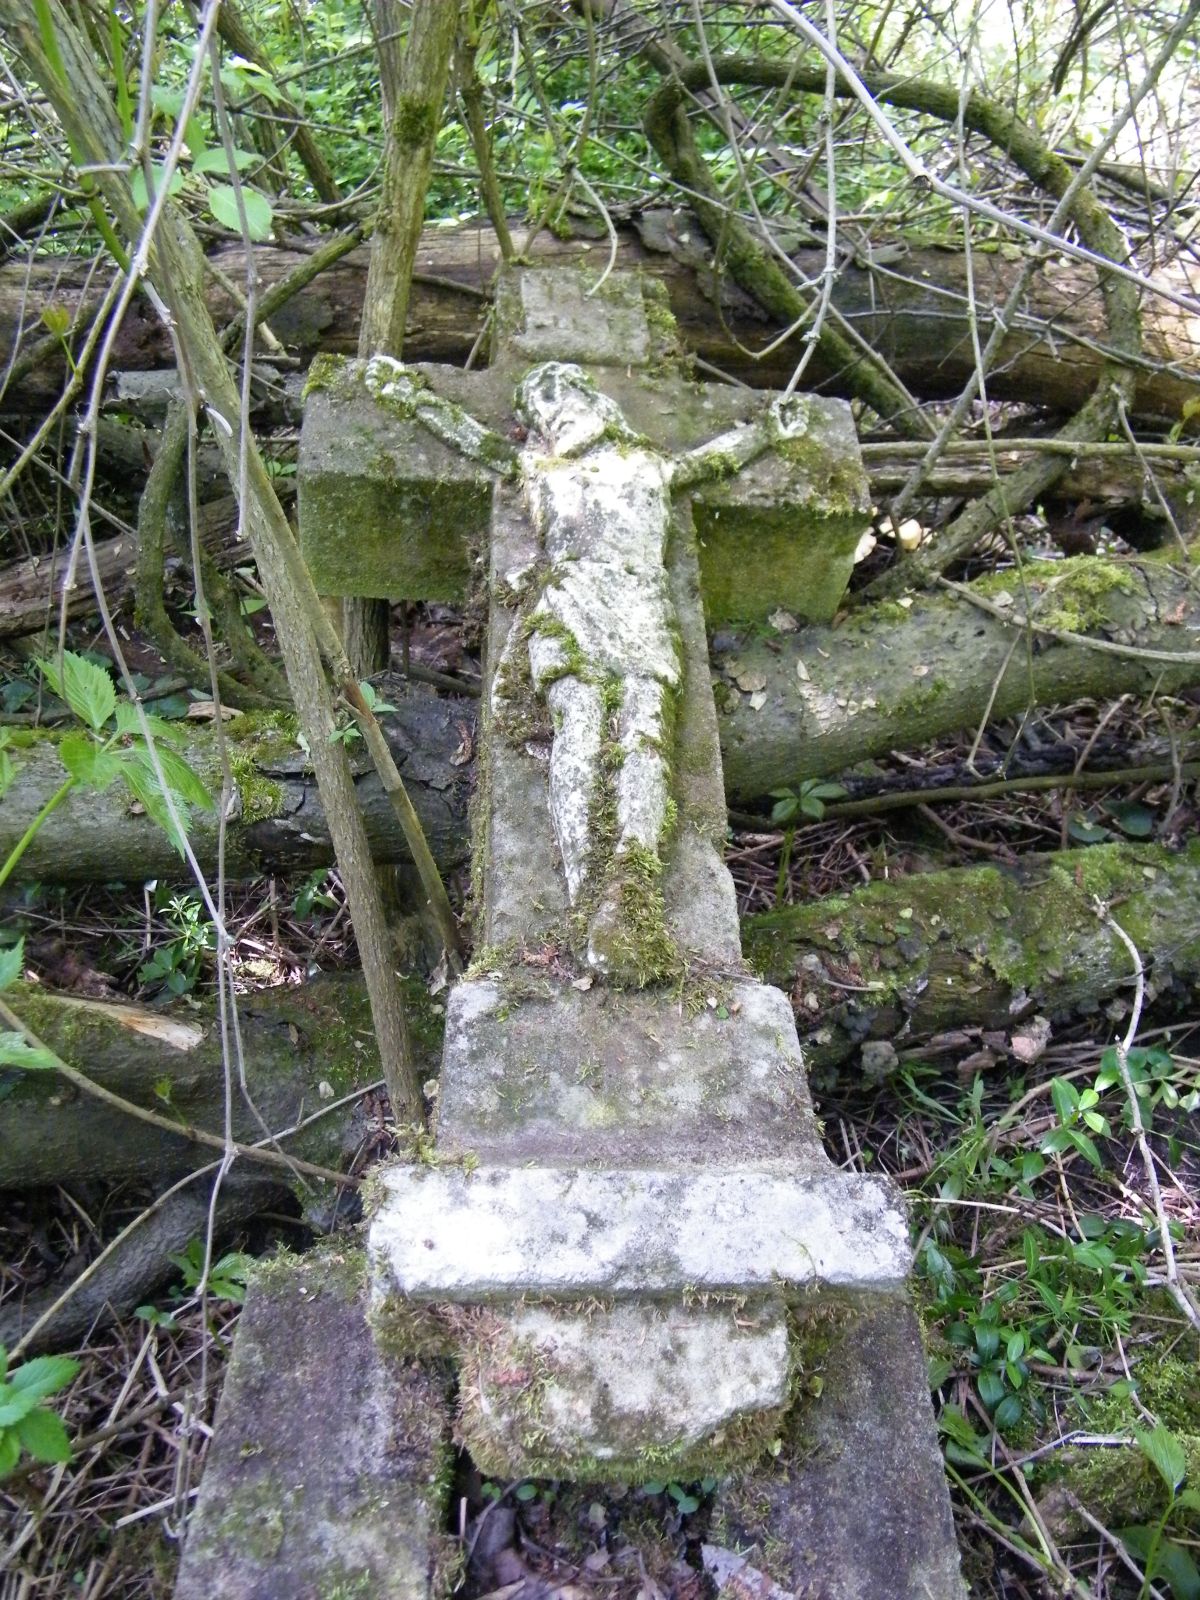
(968, 957)
(891, 677)
(910, 306)
(301, 1046)
(280, 819)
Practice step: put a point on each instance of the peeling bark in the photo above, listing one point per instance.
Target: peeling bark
(294, 1041)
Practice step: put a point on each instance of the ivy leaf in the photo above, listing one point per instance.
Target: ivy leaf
(85, 687)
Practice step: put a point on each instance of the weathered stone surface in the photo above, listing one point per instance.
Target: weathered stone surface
(783, 532)
(557, 316)
(585, 1409)
(508, 1231)
(385, 509)
(855, 1505)
(327, 1467)
(623, 1076)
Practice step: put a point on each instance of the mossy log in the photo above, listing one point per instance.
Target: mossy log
(301, 1048)
(821, 700)
(277, 819)
(961, 953)
(975, 952)
(912, 308)
(893, 675)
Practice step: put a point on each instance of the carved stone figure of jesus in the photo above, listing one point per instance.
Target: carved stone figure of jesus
(602, 647)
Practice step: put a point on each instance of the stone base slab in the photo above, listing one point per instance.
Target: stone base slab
(502, 1232)
(327, 1468)
(624, 1392)
(540, 1071)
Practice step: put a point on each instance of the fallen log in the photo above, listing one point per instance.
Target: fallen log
(791, 707)
(32, 589)
(276, 817)
(967, 957)
(908, 301)
(893, 675)
(302, 1048)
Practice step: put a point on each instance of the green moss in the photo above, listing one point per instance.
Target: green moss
(629, 929)
(1118, 1484)
(324, 372)
(1075, 595)
(415, 122)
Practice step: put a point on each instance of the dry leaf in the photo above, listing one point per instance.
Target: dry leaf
(801, 671)
(582, 984)
(783, 621)
(758, 701)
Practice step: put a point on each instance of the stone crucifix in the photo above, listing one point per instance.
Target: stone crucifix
(598, 642)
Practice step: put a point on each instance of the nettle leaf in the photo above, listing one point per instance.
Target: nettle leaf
(222, 202)
(144, 786)
(1164, 1451)
(16, 1051)
(85, 687)
(12, 963)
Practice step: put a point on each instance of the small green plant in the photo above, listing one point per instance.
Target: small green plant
(227, 1277)
(687, 1497)
(177, 964)
(110, 747)
(347, 732)
(808, 800)
(1160, 1556)
(25, 1423)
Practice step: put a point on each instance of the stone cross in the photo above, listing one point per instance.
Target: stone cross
(627, 1232)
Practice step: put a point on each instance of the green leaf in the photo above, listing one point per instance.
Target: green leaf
(10, 1450)
(991, 1388)
(12, 963)
(57, 320)
(85, 687)
(8, 771)
(1008, 1413)
(215, 160)
(145, 790)
(1135, 820)
(222, 202)
(43, 1435)
(181, 780)
(44, 1375)
(785, 808)
(1085, 832)
(14, 1405)
(87, 762)
(1160, 1447)
(141, 195)
(1168, 1560)
(16, 1051)
(129, 724)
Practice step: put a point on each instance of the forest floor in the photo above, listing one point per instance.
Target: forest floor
(1063, 1375)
